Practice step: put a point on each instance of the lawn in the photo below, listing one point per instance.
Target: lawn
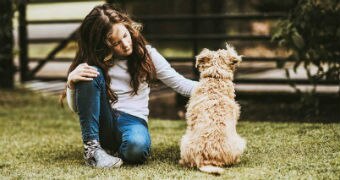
(41, 140)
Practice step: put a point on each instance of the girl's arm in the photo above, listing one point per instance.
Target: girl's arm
(169, 76)
(71, 99)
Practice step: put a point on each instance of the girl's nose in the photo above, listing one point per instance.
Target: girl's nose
(125, 43)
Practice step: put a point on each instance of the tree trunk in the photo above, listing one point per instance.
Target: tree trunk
(6, 45)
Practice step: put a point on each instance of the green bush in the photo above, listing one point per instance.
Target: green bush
(312, 33)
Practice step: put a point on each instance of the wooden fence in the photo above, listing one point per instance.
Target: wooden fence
(193, 36)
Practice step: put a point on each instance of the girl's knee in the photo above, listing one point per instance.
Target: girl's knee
(135, 151)
(96, 82)
(100, 71)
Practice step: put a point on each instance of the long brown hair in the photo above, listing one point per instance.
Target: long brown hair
(94, 46)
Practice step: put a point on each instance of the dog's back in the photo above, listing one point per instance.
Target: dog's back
(211, 139)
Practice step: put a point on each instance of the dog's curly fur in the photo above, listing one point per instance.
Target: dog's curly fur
(211, 140)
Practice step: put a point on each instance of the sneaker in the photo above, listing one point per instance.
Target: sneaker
(95, 156)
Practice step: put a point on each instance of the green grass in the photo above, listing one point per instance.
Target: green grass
(40, 140)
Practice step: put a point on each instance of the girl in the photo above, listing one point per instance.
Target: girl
(108, 87)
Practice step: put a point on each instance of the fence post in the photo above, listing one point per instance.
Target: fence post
(6, 45)
(195, 43)
(23, 41)
(219, 27)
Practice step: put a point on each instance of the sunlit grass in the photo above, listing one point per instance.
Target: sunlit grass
(41, 140)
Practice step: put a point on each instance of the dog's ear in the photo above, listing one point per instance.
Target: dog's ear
(203, 57)
(233, 57)
(229, 57)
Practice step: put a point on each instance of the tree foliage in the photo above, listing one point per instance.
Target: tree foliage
(312, 33)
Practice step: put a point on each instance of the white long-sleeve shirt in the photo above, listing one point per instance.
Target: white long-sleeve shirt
(137, 105)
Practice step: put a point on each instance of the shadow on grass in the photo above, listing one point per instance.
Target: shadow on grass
(289, 108)
(67, 156)
(271, 107)
(169, 153)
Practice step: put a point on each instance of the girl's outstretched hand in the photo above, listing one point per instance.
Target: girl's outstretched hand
(83, 72)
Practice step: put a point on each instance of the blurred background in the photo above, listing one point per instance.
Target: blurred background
(290, 48)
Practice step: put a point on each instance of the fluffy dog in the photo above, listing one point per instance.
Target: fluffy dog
(211, 140)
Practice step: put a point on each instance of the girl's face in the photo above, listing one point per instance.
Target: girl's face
(121, 40)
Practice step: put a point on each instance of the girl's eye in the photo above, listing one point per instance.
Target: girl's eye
(115, 44)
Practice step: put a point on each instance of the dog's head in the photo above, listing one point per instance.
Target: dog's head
(218, 64)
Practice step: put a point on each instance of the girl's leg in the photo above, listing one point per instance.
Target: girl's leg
(136, 142)
(97, 121)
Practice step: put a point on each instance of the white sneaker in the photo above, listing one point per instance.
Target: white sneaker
(95, 156)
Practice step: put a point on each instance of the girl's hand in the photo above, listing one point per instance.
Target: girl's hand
(83, 72)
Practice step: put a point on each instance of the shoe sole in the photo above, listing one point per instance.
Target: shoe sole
(116, 165)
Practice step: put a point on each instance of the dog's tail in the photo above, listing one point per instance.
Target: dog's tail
(211, 169)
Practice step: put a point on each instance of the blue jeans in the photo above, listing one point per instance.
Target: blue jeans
(115, 130)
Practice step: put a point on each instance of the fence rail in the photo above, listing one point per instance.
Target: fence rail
(184, 17)
(239, 80)
(176, 37)
(189, 59)
(59, 1)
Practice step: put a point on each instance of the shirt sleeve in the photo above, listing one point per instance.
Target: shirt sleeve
(169, 76)
(70, 97)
